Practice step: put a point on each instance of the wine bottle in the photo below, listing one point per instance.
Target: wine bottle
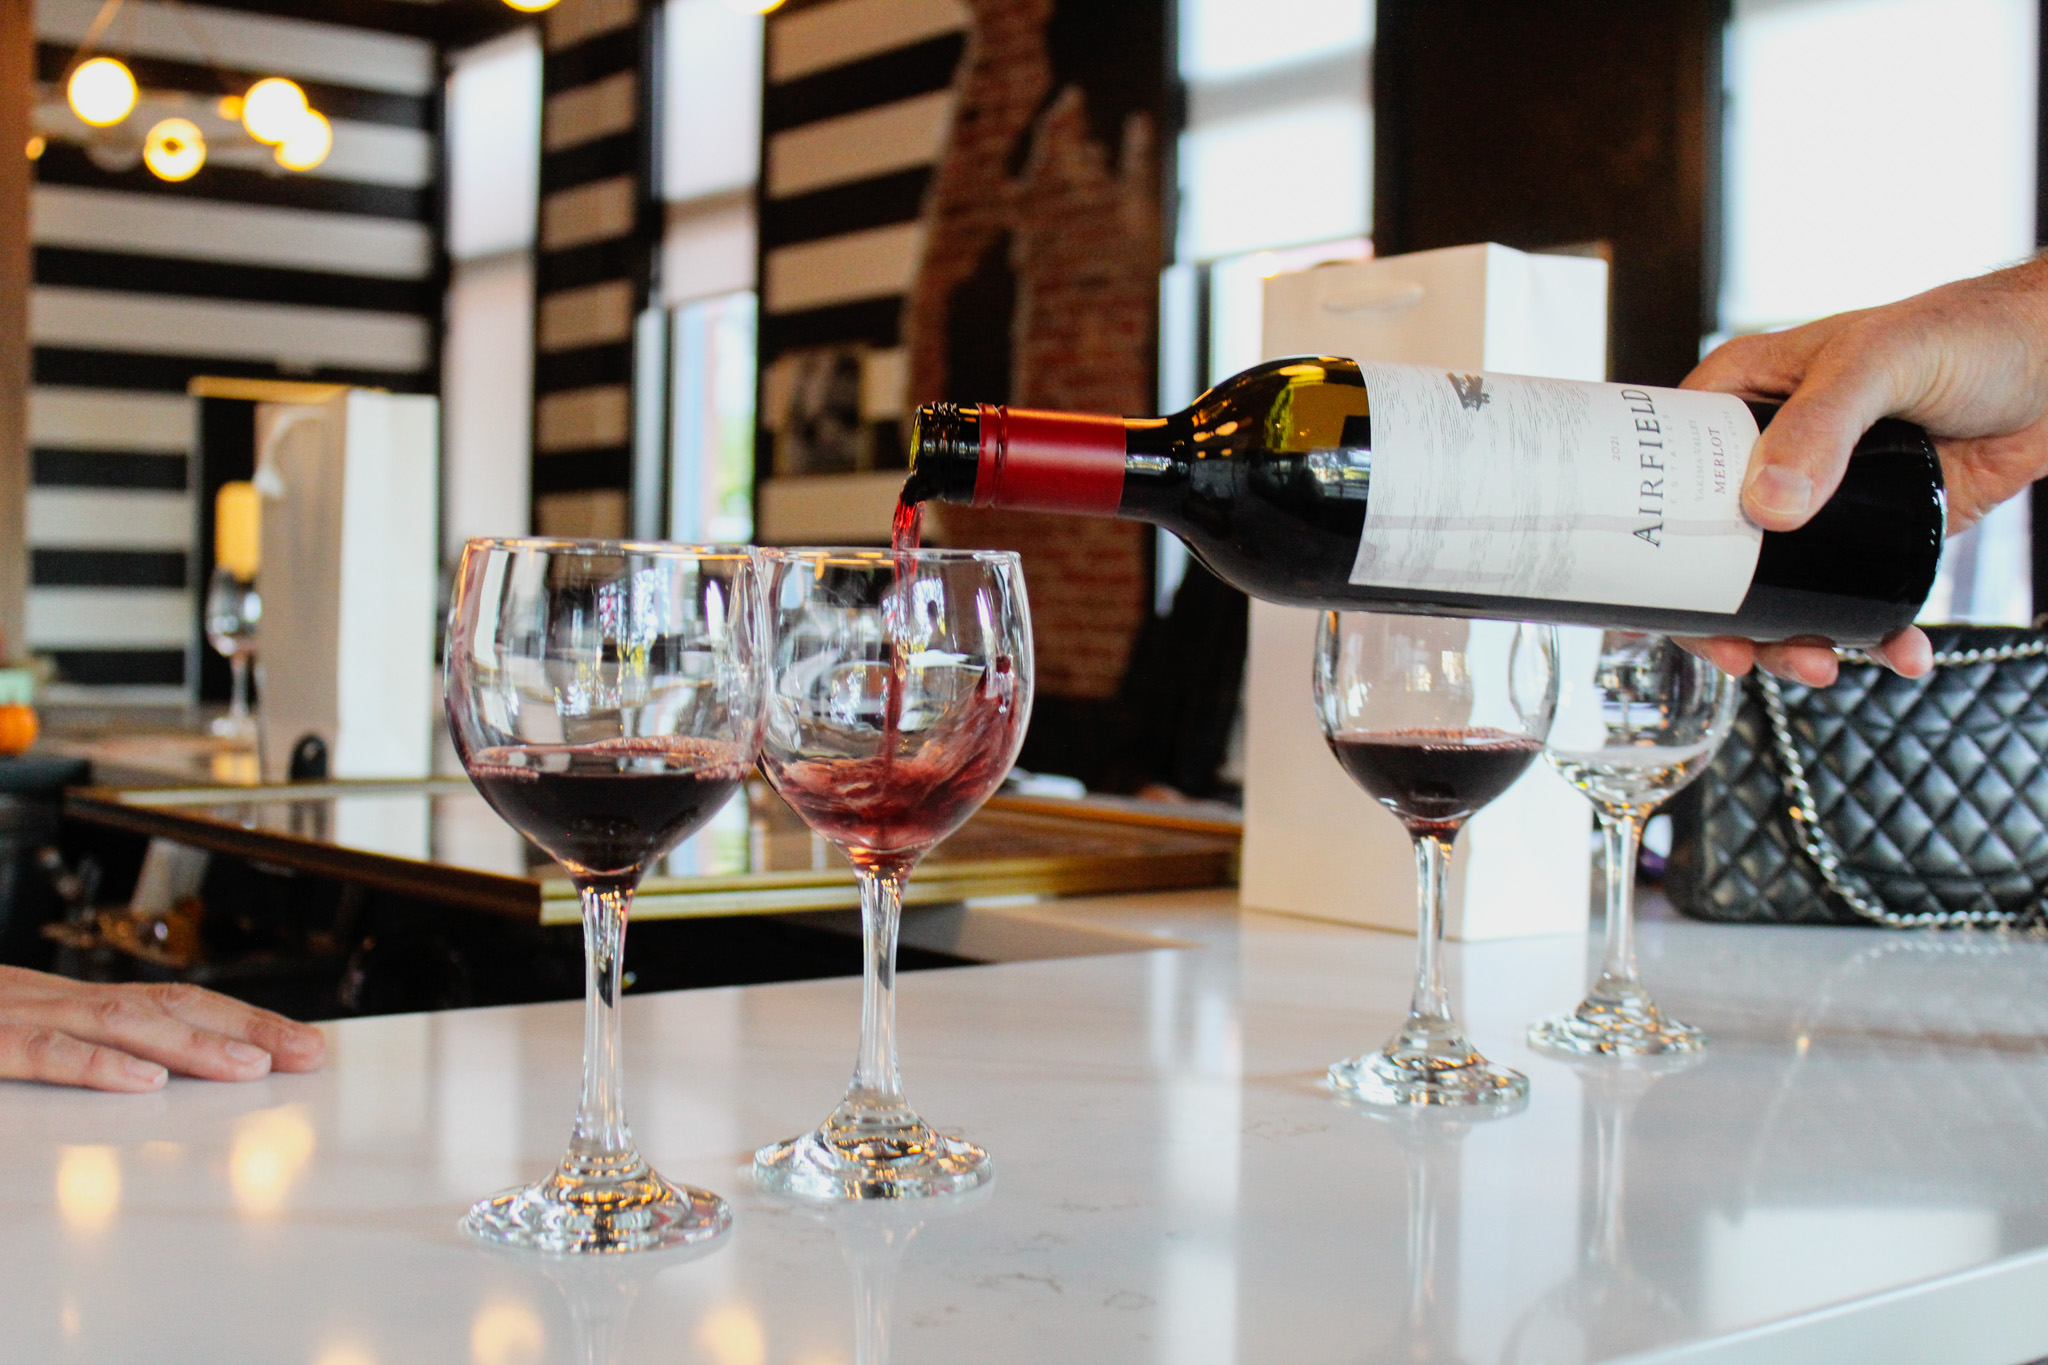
(1363, 485)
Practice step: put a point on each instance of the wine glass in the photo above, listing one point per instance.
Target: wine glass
(1433, 718)
(898, 688)
(1661, 714)
(605, 698)
(233, 611)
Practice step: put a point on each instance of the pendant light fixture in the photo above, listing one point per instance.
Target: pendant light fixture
(102, 92)
(174, 150)
(307, 144)
(272, 109)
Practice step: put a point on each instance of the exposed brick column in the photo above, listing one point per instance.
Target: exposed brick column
(1028, 186)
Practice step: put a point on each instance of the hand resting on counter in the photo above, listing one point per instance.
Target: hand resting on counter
(1968, 361)
(131, 1037)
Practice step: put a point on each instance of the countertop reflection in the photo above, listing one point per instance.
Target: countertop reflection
(1852, 1172)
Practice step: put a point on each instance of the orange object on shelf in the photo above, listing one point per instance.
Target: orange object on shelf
(17, 728)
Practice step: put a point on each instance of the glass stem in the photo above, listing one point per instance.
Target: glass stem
(601, 1130)
(238, 701)
(1623, 834)
(876, 1081)
(1430, 1005)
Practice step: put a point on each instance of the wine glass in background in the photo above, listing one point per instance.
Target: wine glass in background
(233, 611)
(1433, 718)
(898, 688)
(605, 698)
(1660, 715)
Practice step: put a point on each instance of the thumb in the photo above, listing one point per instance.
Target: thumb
(1801, 456)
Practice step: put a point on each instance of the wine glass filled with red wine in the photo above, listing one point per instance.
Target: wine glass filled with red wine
(605, 697)
(1434, 718)
(898, 687)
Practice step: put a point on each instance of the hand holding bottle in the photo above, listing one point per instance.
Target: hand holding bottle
(1968, 361)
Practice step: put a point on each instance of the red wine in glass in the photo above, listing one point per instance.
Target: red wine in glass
(1434, 780)
(608, 809)
(880, 808)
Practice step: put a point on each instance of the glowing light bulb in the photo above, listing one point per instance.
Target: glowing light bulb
(272, 109)
(102, 92)
(36, 146)
(753, 6)
(230, 108)
(530, 6)
(174, 150)
(307, 145)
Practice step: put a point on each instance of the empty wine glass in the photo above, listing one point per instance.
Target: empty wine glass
(605, 698)
(1433, 718)
(899, 684)
(233, 611)
(1660, 715)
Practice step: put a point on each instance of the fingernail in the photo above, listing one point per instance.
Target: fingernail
(244, 1054)
(1781, 492)
(149, 1073)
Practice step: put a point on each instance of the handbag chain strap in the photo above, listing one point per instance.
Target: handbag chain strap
(1820, 846)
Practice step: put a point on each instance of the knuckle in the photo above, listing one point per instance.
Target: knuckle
(172, 995)
(44, 1051)
(116, 1012)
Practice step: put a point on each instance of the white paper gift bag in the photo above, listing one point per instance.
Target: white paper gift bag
(348, 582)
(1314, 843)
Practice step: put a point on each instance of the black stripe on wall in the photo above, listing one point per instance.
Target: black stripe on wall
(585, 367)
(598, 159)
(100, 568)
(577, 471)
(109, 469)
(607, 54)
(66, 366)
(64, 164)
(886, 199)
(615, 259)
(217, 280)
(882, 79)
(119, 667)
(357, 105)
(879, 322)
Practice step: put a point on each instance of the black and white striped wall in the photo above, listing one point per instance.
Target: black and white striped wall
(242, 271)
(597, 235)
(857, 111)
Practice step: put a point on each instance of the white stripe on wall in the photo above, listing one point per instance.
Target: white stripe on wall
(202, 327)
(111, 419)
(109, 519)
(292, 47)
(857, 265)
(834, 151)
(847, 30)
(108, 618)
(369, 153)
(244, 234)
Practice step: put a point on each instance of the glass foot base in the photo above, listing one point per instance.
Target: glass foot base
(847, 1158)
(1393, 1078)
(565, 1215)
(1634, 1030)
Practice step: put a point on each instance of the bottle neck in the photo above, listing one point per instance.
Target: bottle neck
(1029, 460)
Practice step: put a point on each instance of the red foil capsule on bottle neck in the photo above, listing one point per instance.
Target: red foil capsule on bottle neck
(1050, 461)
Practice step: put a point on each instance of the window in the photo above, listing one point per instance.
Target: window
(711, 149)
(1876, 148)
(493, 141)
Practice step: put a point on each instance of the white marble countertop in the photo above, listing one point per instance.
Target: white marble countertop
(1855, 1172)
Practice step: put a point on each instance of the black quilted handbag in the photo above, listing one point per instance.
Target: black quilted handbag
(1881, 800)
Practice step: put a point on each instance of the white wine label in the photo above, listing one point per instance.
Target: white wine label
(1556, 489)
